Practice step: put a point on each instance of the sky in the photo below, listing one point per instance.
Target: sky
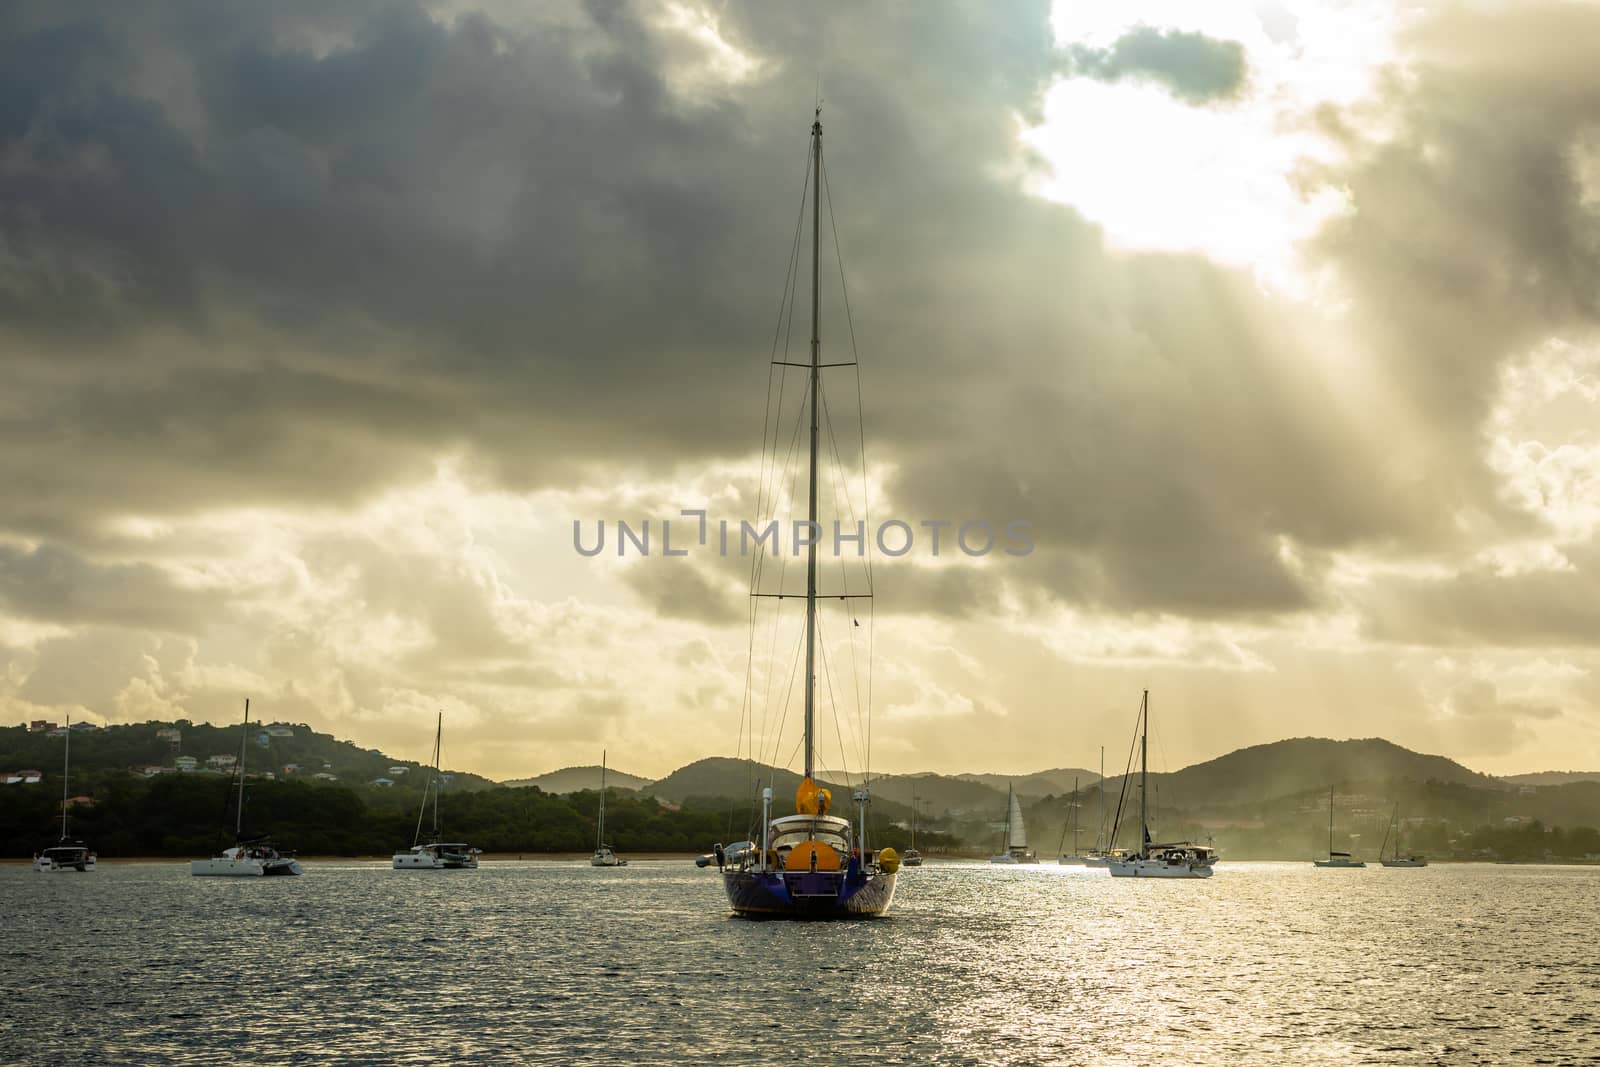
(321, 325)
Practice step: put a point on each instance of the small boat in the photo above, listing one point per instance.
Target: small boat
(66, 854)
(1014, 840)
(435, 855)
(912, 858)
(1410, 859)
(1176, 859)
(1075, 858)
(251, 856)
(604, 854)
(1097, 856)
(1336, 859)
(809, 865)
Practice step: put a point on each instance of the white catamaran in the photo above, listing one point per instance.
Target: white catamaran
(435, 855)
(1177, 859)
(1336, 859)
(604, 854)
(250, 857)
(1014, 839)
(1410, 859)
(66, 854)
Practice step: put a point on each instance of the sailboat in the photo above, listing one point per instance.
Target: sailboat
(1073, 858)
(1014, 841)
(912, 858)
(604, 855)
(250, 857)
(1177, 859)
(435, 855)
(810, 864)
(66, 854)
(1097, 856)
(1336, 859)
(1410, 859)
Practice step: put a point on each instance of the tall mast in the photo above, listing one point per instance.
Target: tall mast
(600, 825)
(1074, 816)
(244, 739)
(1098, 842)
(1330, 822)
(913, 818)
(816, 382)
(66, 756)
(1144, 747)
(438, 755)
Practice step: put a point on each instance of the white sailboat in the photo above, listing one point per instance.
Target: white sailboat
(1097, 856)
(912, 858)
(1177, 859)
(435, 855)
(1073, 858)
(1410, 859)
(66, 854)
(1336, 859)
(604, 854)
(1014, 841)
(250, 857)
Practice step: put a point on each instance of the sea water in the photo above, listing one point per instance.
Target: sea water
(546, 961)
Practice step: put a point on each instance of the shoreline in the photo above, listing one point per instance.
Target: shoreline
(487, 857)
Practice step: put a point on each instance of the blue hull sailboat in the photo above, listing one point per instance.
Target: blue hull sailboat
(809, 865)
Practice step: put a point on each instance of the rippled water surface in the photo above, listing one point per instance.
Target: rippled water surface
(560, 962)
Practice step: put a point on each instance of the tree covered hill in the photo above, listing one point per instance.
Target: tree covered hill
(271, 747)
(1261, 774)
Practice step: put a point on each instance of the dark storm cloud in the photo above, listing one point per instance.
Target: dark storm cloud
(1480, 606)
(1192, 66)
(53, 584)
(291, 254)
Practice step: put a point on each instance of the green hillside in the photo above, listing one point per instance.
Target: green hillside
(137, 745)
(1287, 768)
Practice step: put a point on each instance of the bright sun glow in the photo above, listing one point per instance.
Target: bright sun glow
(1223, 180)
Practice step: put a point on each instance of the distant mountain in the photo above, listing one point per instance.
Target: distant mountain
(1551, 777)
(1039, 783)
(576, 779)
(942, 794)
(1299, 765)
(726, 777)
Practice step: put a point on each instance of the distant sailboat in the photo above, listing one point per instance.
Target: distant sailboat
(250, 857)
(1097, 856)
(1336, 859)
(1073, 858)
(435, 855)
(1178, 859)
(1014, 840)
(810, 864)
(66, 854)
(1410, 859)
(912, 858)
(604, 855)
